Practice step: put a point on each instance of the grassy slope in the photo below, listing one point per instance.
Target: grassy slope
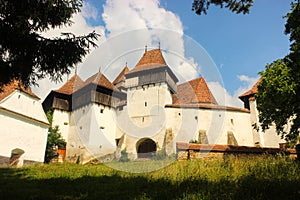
(231, 178)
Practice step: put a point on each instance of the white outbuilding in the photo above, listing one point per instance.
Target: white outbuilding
(23, 124)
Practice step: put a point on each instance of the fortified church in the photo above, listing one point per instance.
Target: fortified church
(144, 110)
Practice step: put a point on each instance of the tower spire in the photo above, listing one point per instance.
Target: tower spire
(145, 48)
(159, 45)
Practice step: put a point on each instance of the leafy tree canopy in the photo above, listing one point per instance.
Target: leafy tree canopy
(28, 56)
(237, 6)
(278, 98)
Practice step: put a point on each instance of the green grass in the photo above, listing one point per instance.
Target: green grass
(251, 177)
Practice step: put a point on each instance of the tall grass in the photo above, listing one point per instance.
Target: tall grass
(251, 177)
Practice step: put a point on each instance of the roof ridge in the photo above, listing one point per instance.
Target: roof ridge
(73, 84)
(15, 85)
(194, 91)
(253, 90)
(201, 83)
(153, 56)
(121, 75)
(150, 60)
(101, 80)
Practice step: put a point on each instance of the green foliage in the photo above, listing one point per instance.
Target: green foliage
(237, 6)
(160, 154)
(292, 27)
(25, 54)
(54, 139)
(251, 177)
(124, 156)
(49, 116)
(278, 97)
(192, 141)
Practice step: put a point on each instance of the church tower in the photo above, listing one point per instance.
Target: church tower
(150, 85)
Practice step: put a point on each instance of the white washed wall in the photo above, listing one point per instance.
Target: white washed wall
(151, 95)
(24, 104)
(25, 127)
(269, 138)
(144, 116)
(186, 123)
(24, 133)
(92, 129)
(61, 119)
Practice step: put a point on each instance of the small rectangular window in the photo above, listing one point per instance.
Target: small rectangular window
(118, 141)
(145, 103)
(101, 110)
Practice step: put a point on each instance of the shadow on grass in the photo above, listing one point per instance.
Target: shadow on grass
(16, 186)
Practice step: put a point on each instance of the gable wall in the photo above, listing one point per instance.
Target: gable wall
(24, 104)
(20, 132)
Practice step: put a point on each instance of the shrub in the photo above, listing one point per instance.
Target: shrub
(54, 140)
(194, 141)
(124, 156)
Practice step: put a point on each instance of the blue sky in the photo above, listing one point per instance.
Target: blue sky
(240, 45)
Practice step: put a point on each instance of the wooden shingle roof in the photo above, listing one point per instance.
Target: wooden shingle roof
(150, 60)
(100, 80)
(194, 92)
(73, 84)
(121, 76)
(15, 85)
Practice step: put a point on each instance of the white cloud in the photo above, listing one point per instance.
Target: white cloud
(225, 98)
(136, 23)
(222, 96)
(89, 11)
(247, 83)
(129, 25)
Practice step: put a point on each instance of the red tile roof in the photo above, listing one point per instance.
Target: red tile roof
(15, 85)
(73, 84)
(121, 76)
(182, 146)
(194, 92)
(252, 91)
(150, 60)
(100, 80)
